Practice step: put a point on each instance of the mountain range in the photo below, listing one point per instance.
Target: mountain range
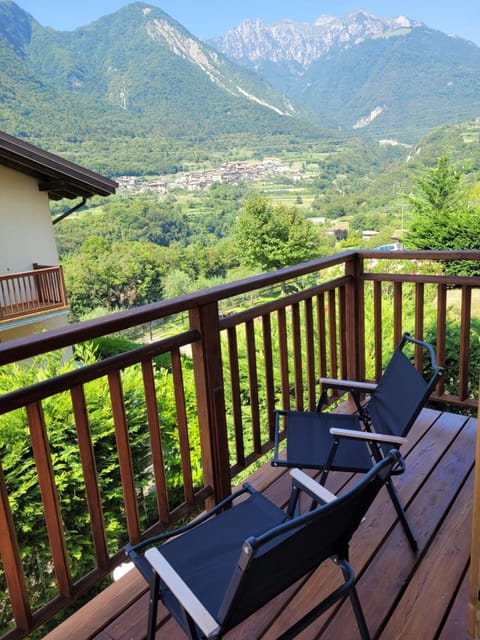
(139, 74)
(298, 45)
(360, 72)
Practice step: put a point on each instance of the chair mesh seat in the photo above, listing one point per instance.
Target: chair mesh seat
(309, 442)
(207, 560)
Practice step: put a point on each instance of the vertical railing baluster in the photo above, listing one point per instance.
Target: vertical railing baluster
(464, 355)
(397, 312)
(50, 501)
(269, 375)
(378, 328)
(297, 357)
(348, 350)
(322, 340)
(419, 321)
(236, 395)
(124, 455)
(441, 346)
(61, 284)
(310, 356)
(182, 424)
(253, 384)
(11, 562)
(332, 333)
(87, 457)
(283, 350)
(155, 441)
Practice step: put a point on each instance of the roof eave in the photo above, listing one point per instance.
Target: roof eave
(60, 177)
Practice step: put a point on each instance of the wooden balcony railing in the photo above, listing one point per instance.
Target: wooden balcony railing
(30, 292)
(241, 350)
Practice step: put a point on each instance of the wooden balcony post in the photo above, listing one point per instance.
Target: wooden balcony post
(207, 362)
(474, 598)
(355, 326)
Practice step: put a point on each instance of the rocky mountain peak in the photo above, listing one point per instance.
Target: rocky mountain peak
(304, 43)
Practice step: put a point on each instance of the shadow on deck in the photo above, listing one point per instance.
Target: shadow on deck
(404, 595)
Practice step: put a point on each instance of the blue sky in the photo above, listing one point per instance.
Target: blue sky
(208, 18)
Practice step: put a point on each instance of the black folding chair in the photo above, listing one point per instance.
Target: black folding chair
(339, 442)
(215, 572)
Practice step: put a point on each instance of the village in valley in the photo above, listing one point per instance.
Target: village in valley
(227, 172)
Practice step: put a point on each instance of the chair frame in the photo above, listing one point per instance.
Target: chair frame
(372, 439)
(197, 621)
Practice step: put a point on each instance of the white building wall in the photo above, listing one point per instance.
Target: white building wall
(26, 237)
(26, 232)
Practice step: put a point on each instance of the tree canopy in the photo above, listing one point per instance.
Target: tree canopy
(443, 216)
(271, 237)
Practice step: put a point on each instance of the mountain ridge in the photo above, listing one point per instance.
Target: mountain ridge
(255, 42)
(150, 30)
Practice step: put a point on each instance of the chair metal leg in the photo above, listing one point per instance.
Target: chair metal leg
(152, 610)
(347, 588)
(349, 577)
(360, 618)
(329, 462)
(292, 508)
(401, 515)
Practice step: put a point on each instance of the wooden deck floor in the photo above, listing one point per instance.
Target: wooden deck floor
(404, 595)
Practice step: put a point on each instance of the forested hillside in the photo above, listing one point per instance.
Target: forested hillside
(133, 75)
(395, 87)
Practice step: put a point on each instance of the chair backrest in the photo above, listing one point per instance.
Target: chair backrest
(274, 560)
(402, 391)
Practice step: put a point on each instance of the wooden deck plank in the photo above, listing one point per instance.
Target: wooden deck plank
(133, 622)
(102, 610)
(436, 580)
(456, 621)
(403, 594)
(394, 565)
(431, 442)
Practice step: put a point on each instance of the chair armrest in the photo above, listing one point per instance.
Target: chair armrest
(201, 616)
(311, 486)
(367, 435)
(334, 383)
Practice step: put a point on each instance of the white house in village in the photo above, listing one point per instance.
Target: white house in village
(32, 289)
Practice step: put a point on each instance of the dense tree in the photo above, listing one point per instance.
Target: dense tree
(436, 200)
(141, 218)
(443, 217)
(271, 237)
(362, 221)
(114, 276)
